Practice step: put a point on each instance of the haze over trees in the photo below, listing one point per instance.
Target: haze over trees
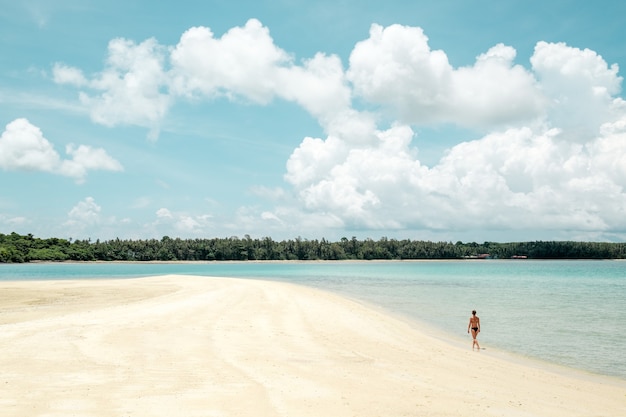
(16, 248)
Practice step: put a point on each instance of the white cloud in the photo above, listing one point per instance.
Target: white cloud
(85, 213)
(396, 68)
(24, 148)
(313, 160)
(246, 63)
(361, 185)
(494, 92)
(267, 215)
(242, 62)
(187, 224)
(609, 151)
(163, 213)
(581, 87)
(560, 165)
(516, 179)
(130, 90)
(319, 86)
(85, 158)
(86, 219)
(552, 154)
(181, 223)
(63, 74)
(137, 88)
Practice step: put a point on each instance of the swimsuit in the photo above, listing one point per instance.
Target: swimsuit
(475, 329)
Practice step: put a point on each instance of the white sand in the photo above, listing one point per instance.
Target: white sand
(197, 346)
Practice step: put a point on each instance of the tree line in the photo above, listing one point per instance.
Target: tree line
(16, 248)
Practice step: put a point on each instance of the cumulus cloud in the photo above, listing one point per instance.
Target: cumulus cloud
(319, 86)
(494, 92)
(515, 179)
(130, 88)
(581, 89)
(163, 213)
(554, 158)
(396, 68)
(242, 62)
(358, 183)
(551, 153)
(182, 223)
(24, 148)
(141, 81)
(246, 64)
(85, 213)
(85, 158)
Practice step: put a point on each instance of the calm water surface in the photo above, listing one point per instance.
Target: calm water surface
(570, 313)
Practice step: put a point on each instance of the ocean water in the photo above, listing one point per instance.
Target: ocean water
(569, 313)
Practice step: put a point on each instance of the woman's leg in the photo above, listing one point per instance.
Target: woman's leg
(475, 341)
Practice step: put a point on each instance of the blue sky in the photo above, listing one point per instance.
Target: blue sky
(448, 120)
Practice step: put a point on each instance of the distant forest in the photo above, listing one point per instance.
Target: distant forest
(15, 248)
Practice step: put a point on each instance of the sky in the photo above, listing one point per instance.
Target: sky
(452, 120)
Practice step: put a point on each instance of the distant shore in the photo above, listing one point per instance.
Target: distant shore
(185, 345)
(297, 261)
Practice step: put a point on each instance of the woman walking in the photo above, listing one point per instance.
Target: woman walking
(474, 326)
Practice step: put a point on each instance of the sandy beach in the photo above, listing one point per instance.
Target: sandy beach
(197, 346)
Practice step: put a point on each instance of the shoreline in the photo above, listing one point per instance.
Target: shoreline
(462, 342)
(253, 261)
(188, 345)
(455, 338)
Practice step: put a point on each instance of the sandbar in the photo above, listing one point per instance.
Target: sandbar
(188, 346)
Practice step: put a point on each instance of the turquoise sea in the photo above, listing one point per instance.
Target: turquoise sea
(570, 313)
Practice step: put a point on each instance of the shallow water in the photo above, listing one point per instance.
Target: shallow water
(569, 313)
